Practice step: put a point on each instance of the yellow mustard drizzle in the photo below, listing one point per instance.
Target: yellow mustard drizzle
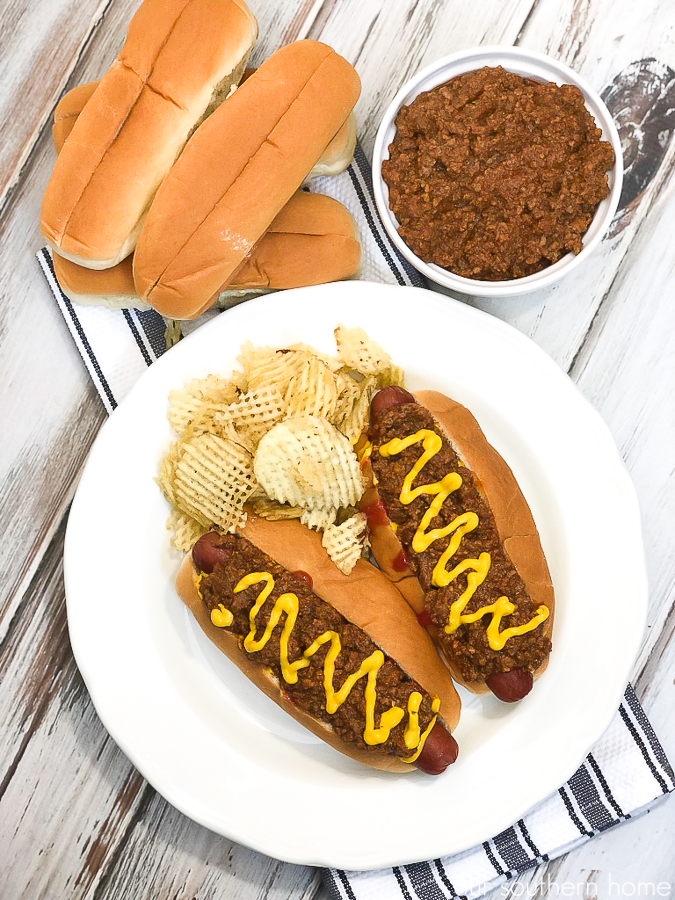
(415, 732)
(364, 451)
(287, 604)
(220, 616)
(476, 569)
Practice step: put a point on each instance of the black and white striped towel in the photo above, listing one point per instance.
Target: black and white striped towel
(627, 770)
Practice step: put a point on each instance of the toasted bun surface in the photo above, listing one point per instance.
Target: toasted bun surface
(137, 120)
(106, 287)
(365, 597)
(200, 229)
(68, 109)
(311, 241)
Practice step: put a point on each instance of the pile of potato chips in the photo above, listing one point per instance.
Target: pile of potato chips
(278, 436)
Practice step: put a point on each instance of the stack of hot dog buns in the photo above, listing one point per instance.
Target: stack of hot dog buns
(155, 155)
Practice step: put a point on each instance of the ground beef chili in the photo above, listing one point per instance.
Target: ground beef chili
(315, 617)
(494, 176)
(468, 645)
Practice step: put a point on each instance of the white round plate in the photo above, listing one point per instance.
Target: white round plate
(228, 757)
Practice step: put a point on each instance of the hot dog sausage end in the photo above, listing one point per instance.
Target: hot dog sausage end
(386, 399)
(440, 750)
(510, 686)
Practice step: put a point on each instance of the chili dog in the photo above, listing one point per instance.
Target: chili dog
(343, 655)
(450, 526)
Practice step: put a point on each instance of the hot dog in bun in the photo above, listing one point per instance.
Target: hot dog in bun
(344, 655)
(449, 524)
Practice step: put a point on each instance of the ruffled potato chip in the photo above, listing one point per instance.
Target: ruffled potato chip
(209, 478)
(262, 506)
(256, 411)
(307, 462)
(185, 530)
(353, 410)
(357, 351)
(312, 390)
(185, 405)
(318, 519)
(347, 542)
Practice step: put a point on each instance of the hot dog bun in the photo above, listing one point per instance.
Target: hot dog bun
(516, 531)
(200, 229)
(334, 159)
(112, 287)
(311, 241)
(365, 598)
(179, 58)
(68, 109)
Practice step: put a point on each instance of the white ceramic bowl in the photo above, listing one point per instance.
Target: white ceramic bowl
(531, 65)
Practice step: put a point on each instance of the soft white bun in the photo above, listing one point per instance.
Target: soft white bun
(68, 109)
(179, 57)
(112, 287)
(366, 598)
(334, 159)
(311, 241)
(339, 153)
(239, 169)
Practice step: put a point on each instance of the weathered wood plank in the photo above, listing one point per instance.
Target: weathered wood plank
(63, 778)
(389, 42)
(168, 856)
(38, 53)
(76, 820)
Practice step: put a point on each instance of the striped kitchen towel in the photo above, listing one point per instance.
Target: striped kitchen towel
(117, 345)
(626, 772)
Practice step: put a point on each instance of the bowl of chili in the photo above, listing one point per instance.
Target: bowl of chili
(496, 171)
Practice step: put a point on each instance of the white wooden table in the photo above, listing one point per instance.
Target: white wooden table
(76, 819)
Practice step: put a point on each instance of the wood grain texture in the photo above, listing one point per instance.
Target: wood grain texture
(42, 48)
(76, 819)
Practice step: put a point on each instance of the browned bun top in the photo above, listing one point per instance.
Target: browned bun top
(339, 152)
(177, 53)
(367, 599)
(68, 109)
(237, 172)
(311, 241)
(513, 517)
(77, 280)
